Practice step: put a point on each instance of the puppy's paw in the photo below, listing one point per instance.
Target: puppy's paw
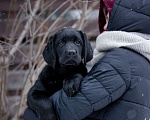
(71, 84)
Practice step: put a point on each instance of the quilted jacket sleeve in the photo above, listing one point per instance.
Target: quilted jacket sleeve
(105, 83)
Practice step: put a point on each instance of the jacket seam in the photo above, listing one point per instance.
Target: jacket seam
(134, 103)
(132, 10)
(122, 77)
(85, 95)
(86, 98)
(100, 100)
(108, 95)
(66, 106)
(101, 84)
(104, 86)
(140, 76)
(116, 9)
(116, 71)
(130, 68)
(83, 108)
(80, 110)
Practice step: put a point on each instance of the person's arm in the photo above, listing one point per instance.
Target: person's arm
(105, 83)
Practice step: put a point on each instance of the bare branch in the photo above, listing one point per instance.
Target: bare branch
(83, 16)
(22, 35)
(49, 17)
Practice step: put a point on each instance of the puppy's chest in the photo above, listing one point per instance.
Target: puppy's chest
(59, 74)
(57, 77)
(54, 82)
(62, 72)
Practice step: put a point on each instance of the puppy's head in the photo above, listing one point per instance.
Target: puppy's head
(67, 47)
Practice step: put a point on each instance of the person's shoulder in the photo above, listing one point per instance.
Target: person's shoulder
(117, 59)
(114, 64)
(116, 54)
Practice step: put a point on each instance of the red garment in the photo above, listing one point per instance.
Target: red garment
(109, 5)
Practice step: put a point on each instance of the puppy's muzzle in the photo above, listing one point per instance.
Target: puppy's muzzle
(71, 53)
(72, 57)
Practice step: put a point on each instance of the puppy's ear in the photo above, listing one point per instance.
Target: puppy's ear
(87, 52)
(49, 52)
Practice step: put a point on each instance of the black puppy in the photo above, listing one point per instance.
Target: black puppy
(64, 54)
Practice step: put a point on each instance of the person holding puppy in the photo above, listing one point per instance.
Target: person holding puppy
(118, 85)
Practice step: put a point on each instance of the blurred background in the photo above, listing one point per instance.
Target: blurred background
(25, 26)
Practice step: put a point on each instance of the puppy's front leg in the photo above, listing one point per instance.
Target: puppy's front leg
(42, 106)
(71, 84)
(38, 96)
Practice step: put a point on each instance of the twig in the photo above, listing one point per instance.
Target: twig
(19, 65)
(14, 24)
(86, 13)
(50, 16)
(83, 16)
(46, 7)
(23, 8)
(29, 4)
(26, 27)
(10, 6)
(16, 49)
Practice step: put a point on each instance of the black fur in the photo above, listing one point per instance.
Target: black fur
(64, 53)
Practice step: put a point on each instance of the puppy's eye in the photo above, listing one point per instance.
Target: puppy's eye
(61, 43)
(77, 42)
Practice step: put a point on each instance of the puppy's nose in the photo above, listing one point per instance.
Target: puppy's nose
(71, 52)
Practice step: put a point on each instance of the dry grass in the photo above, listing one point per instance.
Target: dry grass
(35, 27)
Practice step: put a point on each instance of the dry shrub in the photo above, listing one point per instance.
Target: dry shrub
(34, 34)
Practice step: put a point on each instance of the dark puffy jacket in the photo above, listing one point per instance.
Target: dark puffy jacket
(130, 16)
(118, 86)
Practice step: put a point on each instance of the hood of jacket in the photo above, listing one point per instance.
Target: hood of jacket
(130, 16)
